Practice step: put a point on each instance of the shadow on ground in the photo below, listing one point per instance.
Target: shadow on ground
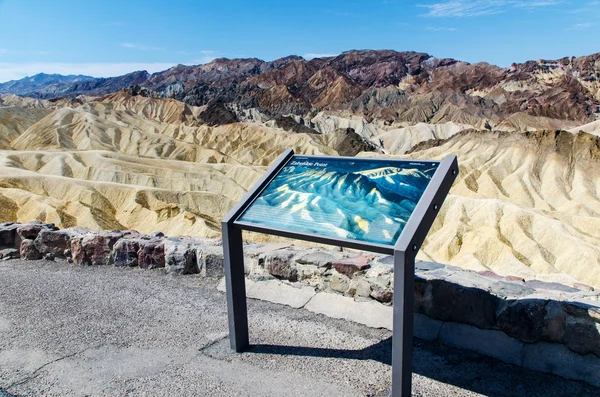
(461, 368)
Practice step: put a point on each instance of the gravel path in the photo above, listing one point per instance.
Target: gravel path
(102, 331)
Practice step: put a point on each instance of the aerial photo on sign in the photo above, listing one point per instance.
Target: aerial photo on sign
(344, 198)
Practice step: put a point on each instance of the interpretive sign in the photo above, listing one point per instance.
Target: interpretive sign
(379, 205)
(342, 198)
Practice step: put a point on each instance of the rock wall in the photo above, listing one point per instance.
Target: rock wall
(529, 314)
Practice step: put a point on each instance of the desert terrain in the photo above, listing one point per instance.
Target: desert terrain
(174, 151)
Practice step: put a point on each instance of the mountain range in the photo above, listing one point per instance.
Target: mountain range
(394, 88)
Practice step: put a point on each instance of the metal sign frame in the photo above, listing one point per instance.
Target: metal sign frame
(404, 251)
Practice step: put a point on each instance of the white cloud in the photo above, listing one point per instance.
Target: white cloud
(440, 29)
(16, 71)
(311, 55)
(589, 7)
(474, 8)
(581, 26)
(141, 47)
(202, 60)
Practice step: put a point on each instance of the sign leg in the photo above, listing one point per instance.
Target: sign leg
(402, 340)
(235, 282)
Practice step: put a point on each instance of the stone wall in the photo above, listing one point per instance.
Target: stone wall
(546, 326)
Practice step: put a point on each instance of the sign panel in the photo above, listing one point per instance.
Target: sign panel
(367, 200)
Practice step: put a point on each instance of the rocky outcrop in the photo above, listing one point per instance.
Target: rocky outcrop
(216, 113)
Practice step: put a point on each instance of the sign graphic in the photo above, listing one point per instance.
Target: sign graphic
(368, 200)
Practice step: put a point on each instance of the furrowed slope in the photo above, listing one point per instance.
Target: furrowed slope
(104, 190)
(16, 120)
(129, 162)
(523, 205)
(109, 126)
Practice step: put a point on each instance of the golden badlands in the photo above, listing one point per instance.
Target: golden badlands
(526, 204)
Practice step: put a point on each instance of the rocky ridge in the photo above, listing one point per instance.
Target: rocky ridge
(395, 88)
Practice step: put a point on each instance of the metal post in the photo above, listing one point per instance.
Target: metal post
(237, 312)
(402, 340)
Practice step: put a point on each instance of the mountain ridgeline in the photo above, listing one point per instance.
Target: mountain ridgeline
(393, 87)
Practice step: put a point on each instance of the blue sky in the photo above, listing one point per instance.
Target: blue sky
(110, 37)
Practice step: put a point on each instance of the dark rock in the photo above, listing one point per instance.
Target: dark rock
(288, 124)
(554, 322)
(582, 336)
(454, 302)
(349, 266)
(349, 143)
(524, 320)
(210, 262)
(49, 257)
(216, 113)
(152, 254)
(54, 241)
(8, 234)
(94, 249)
(157, 234)
(280, 264)
(180, 257)
(422, 300)
(10, 253)
(125, 252)
(29, 251)
(383, 295)
(30, 231)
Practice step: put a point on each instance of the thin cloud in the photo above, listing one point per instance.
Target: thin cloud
(589, 7)
(440, 29)
(141, 47)
(311, 55)
(16, 71)
(475, 8)
(204, 59)
(581, 26)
